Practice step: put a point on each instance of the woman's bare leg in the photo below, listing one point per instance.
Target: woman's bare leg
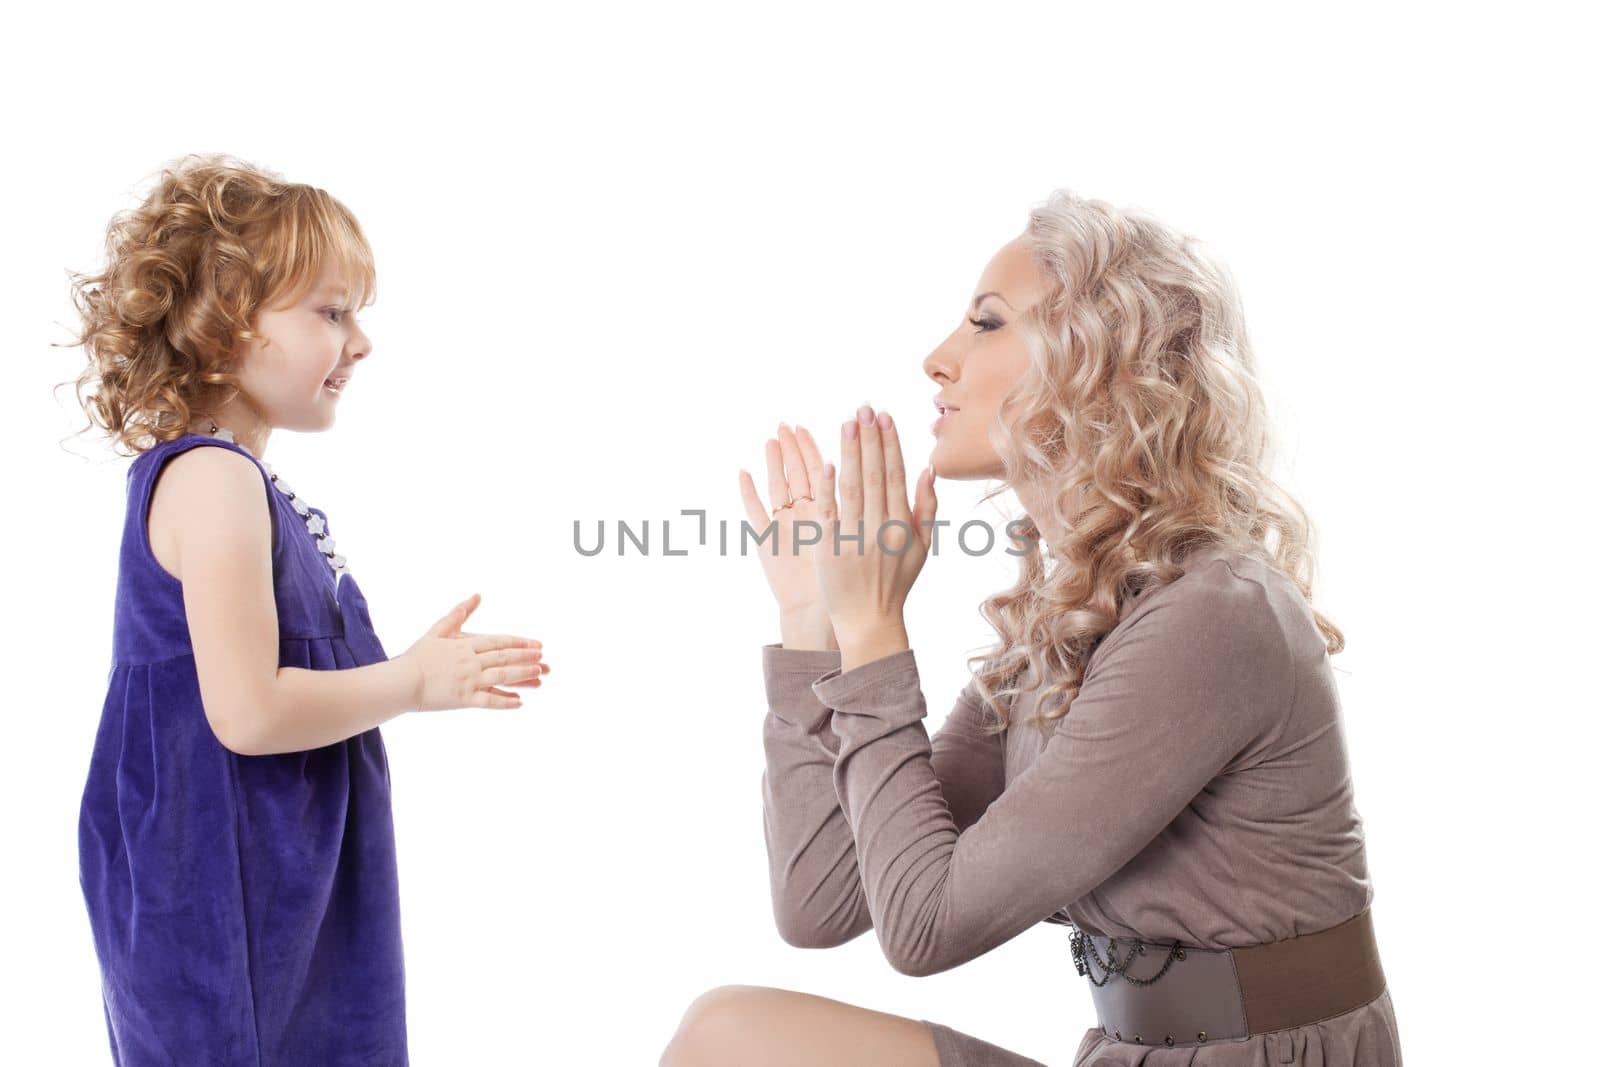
(737, 1025)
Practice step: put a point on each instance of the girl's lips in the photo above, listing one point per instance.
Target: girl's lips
(938, 423)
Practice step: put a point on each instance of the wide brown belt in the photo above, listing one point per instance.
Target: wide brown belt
(1169, 993)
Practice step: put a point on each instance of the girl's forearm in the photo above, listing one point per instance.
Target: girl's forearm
(311, 708)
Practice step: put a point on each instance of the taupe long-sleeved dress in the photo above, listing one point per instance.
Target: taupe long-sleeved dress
(1198, 790)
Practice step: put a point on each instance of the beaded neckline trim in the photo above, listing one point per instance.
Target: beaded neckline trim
(313, 521)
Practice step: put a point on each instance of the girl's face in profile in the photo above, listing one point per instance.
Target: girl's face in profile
(976, 366)
(304, 344)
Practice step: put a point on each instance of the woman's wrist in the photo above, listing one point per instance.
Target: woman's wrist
(871, 639)
(807, 629)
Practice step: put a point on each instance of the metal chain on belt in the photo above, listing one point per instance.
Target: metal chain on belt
(1112, 966)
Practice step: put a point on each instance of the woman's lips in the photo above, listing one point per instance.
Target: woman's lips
(938, 423)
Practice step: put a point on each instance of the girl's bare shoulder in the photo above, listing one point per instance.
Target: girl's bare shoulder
(205, 495)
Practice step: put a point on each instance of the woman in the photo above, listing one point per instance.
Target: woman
(1152, 751)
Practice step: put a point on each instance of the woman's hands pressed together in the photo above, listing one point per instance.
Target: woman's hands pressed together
(794, 465)
(461, 670)
(855, 579)
(865, 582)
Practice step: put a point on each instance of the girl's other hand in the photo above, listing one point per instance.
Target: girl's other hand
(794, 467)
(465, 670)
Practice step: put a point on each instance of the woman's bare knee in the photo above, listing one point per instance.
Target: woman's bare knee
(741, 1024)
(709, 1027)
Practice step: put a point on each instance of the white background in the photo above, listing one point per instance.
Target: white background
(616, 245)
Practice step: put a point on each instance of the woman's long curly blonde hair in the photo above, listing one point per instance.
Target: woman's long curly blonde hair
(1140, 428)
(187, 272)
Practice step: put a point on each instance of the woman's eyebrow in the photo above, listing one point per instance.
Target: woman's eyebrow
(979, 299)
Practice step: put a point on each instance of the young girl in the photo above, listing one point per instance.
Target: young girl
(235, 837)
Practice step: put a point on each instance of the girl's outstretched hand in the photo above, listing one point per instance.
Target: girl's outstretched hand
(464, 670)
(864, 584)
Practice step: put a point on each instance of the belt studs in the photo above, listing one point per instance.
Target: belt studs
(1202, 1035)
(1137, 1040)
(1169, 1041)
(1119, 1035)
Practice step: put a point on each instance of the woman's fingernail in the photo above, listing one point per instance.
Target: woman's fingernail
(850, 430)
(863, 414)
(884, 421)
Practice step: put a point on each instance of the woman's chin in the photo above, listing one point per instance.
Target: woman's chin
(948, 466)
(951, 464)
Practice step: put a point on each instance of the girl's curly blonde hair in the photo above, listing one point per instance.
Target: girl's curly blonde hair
(187, 272)
(1140, 428)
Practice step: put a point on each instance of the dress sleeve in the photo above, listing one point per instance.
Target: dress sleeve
(817, 896)
(1183, 690)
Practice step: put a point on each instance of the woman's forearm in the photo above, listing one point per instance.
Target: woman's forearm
(308, 709)
(817, 899)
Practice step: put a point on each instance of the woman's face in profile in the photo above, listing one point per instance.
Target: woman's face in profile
(976, 366)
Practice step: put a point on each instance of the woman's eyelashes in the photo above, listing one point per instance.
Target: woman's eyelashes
(986, 324)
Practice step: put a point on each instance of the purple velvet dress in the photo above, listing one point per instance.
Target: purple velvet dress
(245, 909)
